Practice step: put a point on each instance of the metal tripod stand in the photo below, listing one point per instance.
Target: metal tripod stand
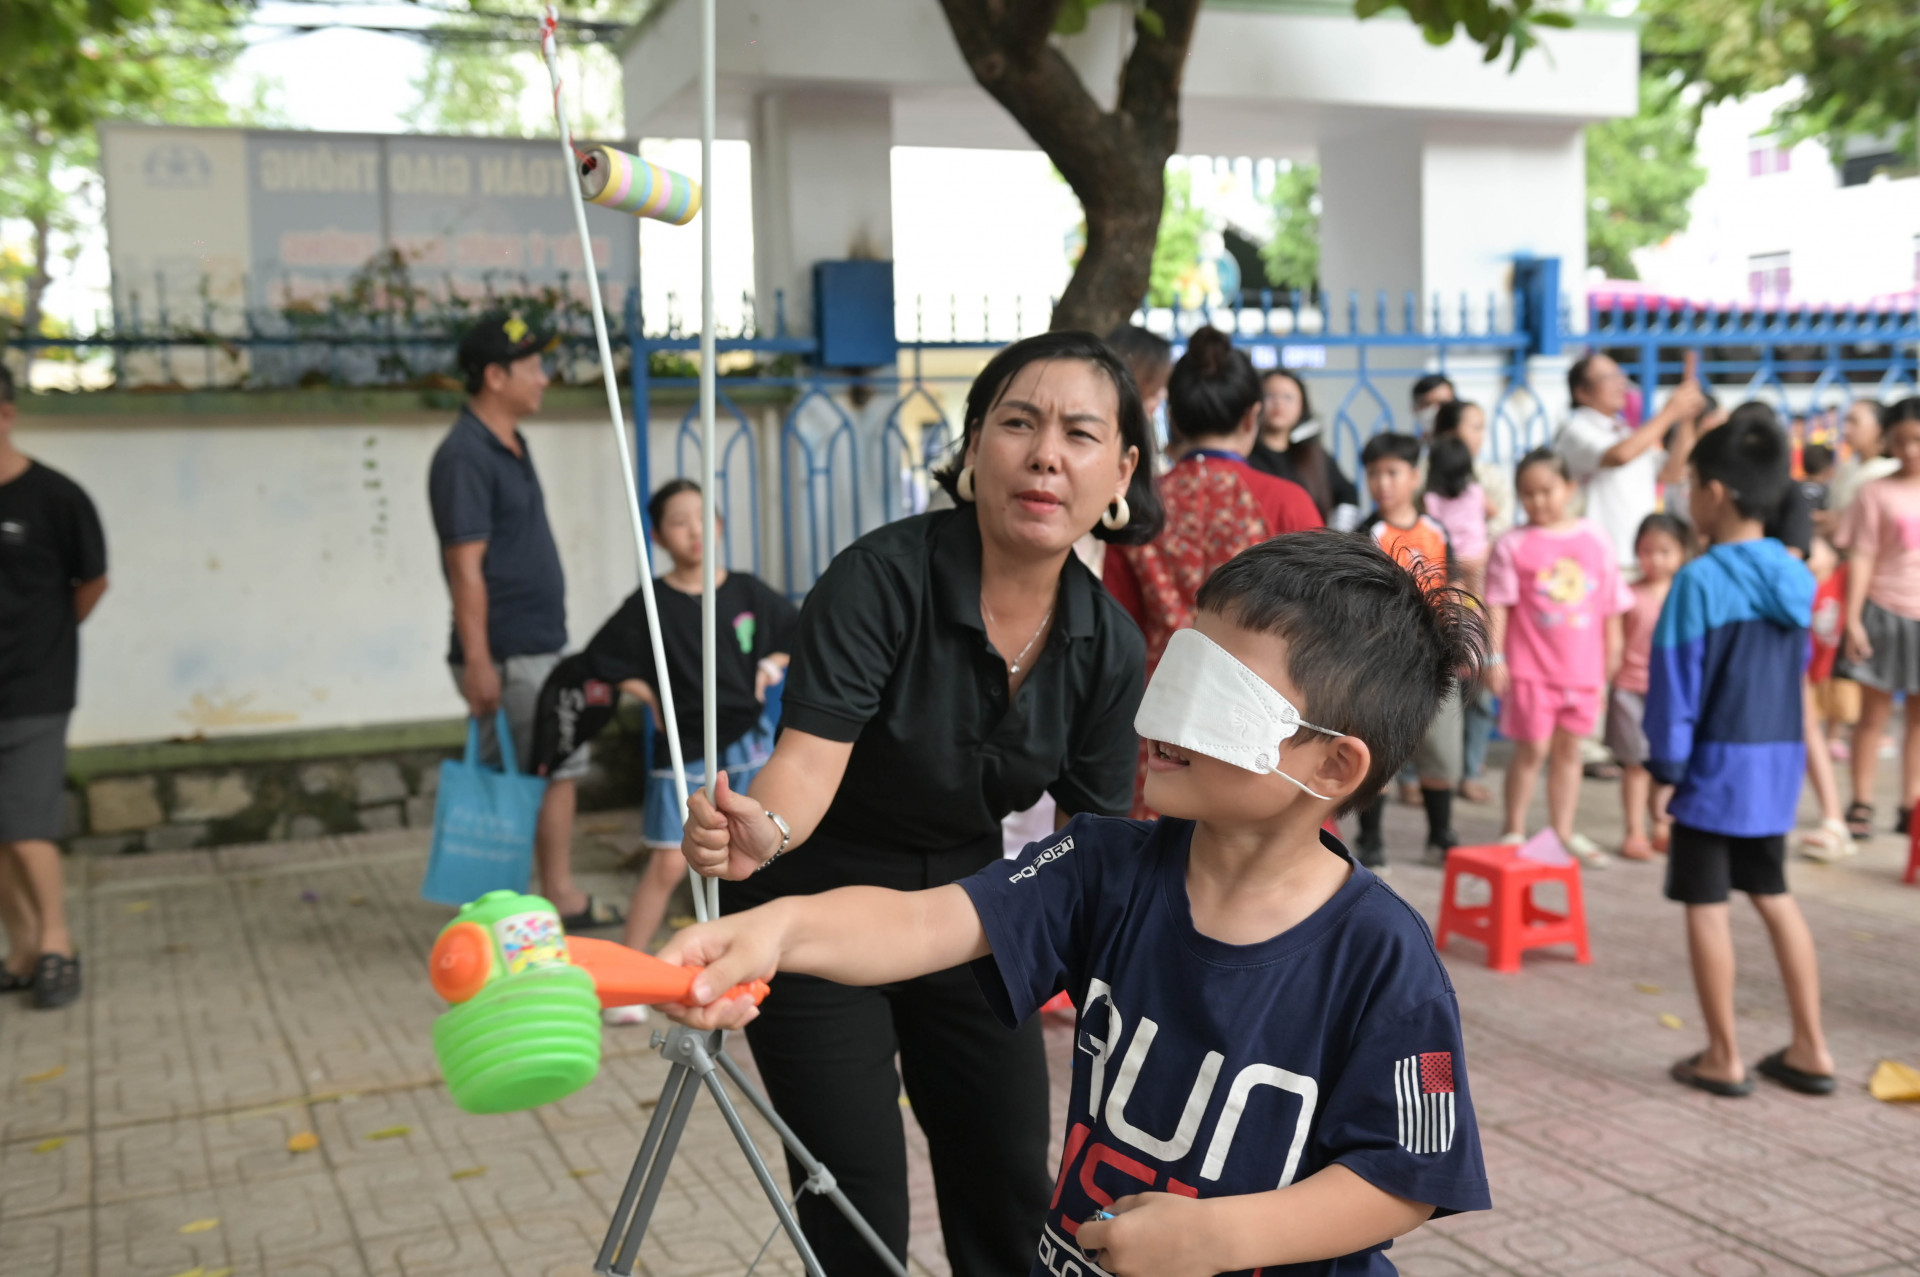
(700, 1057)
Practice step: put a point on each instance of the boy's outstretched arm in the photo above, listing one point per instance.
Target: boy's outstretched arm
(855, 935)
(1331, 1213)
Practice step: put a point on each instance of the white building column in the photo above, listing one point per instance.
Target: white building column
(1370, 217)
(822, 191)
(1443, 208)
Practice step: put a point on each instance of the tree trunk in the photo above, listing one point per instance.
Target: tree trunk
(1115, 161)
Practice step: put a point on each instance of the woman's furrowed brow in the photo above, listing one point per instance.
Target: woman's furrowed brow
(1021, 405)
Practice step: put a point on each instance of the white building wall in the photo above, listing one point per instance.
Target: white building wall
(1844, 244)
(274, 577)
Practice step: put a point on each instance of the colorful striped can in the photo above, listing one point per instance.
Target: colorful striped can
(615, 179)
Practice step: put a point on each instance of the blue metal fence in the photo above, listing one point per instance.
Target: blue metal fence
(1800, 358)
(850, 452)
(811, 458)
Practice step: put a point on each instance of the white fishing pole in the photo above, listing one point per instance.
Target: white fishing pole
(709, 489)
(664, 684)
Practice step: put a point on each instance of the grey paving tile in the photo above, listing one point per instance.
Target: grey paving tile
(40, 1177)
(59, 1244)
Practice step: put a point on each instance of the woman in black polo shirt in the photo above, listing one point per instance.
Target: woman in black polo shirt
(949, 669)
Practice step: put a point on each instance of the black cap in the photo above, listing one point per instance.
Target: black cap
(500, 337)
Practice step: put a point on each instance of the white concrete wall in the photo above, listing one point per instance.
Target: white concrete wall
(1846, 244)
(822, 191)
(273, 577)
(1443, 207)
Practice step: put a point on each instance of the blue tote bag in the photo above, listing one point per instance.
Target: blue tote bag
(483, 824)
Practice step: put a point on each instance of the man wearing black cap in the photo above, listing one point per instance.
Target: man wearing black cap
(503, 570)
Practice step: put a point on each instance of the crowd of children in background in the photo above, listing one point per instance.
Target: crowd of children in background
(1573, 627)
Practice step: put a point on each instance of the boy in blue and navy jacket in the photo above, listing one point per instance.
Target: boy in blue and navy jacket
(1724, 726)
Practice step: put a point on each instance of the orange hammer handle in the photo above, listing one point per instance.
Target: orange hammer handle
(627, 977)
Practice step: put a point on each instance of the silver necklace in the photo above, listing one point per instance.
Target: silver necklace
(1013, 667)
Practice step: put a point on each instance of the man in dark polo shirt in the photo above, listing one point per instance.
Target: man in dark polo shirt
(53, 569)
(503, 570)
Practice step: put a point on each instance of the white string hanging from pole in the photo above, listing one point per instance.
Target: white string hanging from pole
(709, 541)
(670, 723)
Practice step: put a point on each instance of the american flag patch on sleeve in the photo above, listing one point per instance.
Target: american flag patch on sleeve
(1423, 1096)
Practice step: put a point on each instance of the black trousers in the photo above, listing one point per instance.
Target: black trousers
(826, 1053)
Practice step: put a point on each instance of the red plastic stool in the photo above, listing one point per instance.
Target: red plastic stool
(1511, 922)
(1913, 852)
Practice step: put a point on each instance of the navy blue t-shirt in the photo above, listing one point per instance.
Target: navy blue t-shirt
(480, 491)
(1215, 1069)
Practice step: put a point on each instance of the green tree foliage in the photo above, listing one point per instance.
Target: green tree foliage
(478, 85)
(1641, 173)
(1856, 62)
(165, 63)
(1292, 256)
(1176, 253)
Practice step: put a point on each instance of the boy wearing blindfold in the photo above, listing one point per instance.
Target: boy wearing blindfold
(1268, 1070)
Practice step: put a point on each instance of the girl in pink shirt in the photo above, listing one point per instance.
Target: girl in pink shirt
(1459, 504)
(1881, 650)
(1661, 548)
(1554, 599)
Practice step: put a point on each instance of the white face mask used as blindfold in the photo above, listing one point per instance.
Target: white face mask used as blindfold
(1202, 700)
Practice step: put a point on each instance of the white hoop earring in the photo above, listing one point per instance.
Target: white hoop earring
(964, 487)
(1117, 515)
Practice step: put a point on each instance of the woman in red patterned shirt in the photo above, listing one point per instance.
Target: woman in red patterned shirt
(1216, 504)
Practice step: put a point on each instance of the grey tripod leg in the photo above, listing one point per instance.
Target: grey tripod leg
(692, 1055)
(819, 1178)
(648, 1177)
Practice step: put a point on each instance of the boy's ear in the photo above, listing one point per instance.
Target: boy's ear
(1343, 767)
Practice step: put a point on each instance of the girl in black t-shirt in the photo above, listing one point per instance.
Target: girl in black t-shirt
(756, 627)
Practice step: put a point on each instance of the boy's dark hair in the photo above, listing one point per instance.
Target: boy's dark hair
(1212, 388)
(1389, 447)
(1749, 456)
(1431, 382)
(1143, 498)
(1372, 652)
(657, 503)
(1146, 354)
(1449, 466)
(1815, 458)
(6, 382)
(1671, 525)
(1543, 456)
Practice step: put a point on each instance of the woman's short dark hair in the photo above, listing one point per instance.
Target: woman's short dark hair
(657, 503)
(1143, 501)
(1306, 401)
(1431, 382)
(1143, 352)
(1212, 388)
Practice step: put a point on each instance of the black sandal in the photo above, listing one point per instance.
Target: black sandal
(56, 980)
(11, 983)
(1775, 1066)
(1683, 1072)
(1860, 821)
(595, 917)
